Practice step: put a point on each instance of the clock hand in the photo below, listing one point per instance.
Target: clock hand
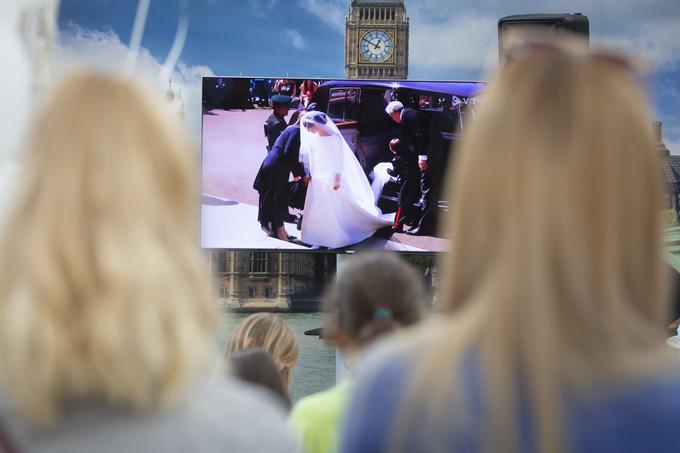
(364, 39)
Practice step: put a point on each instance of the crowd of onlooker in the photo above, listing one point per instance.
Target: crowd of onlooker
(553, 312)
(304, 93)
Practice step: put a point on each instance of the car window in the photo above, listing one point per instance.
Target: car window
(433, 101)
(343, 104)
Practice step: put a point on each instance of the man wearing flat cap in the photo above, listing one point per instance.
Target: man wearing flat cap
(276, 122)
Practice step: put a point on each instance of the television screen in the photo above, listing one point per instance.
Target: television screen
(329, 165)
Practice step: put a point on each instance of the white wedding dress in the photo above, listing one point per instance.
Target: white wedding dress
(336, 218)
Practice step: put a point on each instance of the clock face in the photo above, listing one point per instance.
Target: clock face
(376, 46)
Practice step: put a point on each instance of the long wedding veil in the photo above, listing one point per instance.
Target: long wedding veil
(331, 155)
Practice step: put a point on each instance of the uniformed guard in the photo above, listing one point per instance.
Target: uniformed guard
(276, 122)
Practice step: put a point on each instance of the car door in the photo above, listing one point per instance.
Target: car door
(343, 104)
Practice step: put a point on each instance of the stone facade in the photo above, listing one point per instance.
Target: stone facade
(273, 281)
(388, 18)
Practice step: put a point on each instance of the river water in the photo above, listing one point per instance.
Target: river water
(315, 370)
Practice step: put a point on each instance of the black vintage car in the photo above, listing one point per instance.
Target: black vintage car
(358, 109)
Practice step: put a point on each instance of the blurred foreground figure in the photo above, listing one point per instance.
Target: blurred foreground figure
(271, 333)
(106, 320)
(256, 366)
(373, 296)
(554, 286)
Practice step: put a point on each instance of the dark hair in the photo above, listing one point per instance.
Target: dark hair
(295, 117)
(256, 366)
(374, 294)
(318, 117)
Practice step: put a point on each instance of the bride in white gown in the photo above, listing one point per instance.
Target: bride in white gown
(340, 206)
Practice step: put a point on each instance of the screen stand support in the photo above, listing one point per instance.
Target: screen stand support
(342, 369)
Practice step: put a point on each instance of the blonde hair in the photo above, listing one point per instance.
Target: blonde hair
(269, 332)
(103, 294)
(555, 280)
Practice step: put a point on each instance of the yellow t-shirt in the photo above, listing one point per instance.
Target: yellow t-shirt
(317, 419)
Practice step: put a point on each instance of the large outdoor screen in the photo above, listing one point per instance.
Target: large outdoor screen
(329, 165)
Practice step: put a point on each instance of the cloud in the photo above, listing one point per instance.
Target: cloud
(453, 44)
(435, 44)
(458, 34)
(673, 146)
(330, 12)
(261, 7)
(655, 41)
(103, 50)
(294, 37)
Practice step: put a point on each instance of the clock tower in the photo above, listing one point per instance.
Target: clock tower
(376, 40)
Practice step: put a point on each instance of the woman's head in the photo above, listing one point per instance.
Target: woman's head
(269, 332)
(317, 123)
(557, 199)
(555, 273)
(103, 294)
(256, 366)
(372, 295)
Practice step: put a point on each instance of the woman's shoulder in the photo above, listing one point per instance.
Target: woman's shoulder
(326, 404)
(398, 352)
(316, 418)
(385, 369)
(637, 416)
(217, 415)
(387, 365)
(251, 412)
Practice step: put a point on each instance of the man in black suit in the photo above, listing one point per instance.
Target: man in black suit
(271, 182)
(413, 126)
(405, 170)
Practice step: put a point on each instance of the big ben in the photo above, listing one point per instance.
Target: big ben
(376, 40)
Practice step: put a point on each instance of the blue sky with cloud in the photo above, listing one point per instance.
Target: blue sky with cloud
(450, 39)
